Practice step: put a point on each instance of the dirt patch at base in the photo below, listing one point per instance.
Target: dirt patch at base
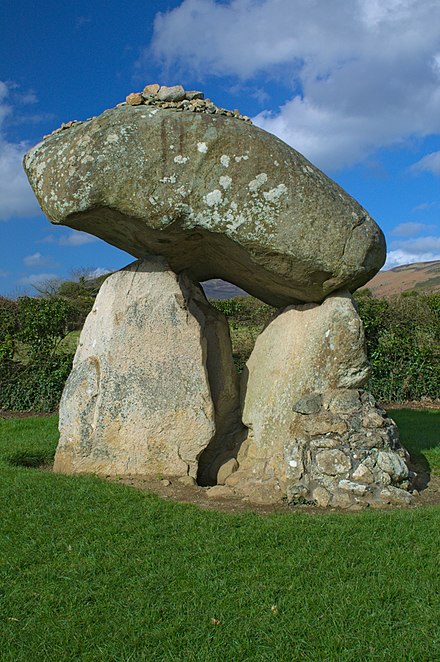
(428, 486)
(171, 489)
(174, 491)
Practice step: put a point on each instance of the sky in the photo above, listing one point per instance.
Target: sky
(354, 85)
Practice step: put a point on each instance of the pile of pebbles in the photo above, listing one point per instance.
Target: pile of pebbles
(177, 98)
(174, 97)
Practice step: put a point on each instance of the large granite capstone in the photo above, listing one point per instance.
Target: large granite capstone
(215, 196)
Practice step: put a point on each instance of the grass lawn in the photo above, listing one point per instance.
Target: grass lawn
(94, 570)
(70, 342)
(420, 433)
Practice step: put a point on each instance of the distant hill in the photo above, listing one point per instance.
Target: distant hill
(220, 289)
(420, 276)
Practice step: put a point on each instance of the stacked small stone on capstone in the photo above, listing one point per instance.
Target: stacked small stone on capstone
(177, 98)
(174, 97)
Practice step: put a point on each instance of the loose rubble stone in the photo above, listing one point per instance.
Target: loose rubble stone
(142, 397)
(363, 474)
(151, 89)
(354, 488)
(220, 492)
(341, 499)
(367, 438)
(324, 423)
(321, 496)
(173, 93)
(373, 420)
(187, 480)
(333, 462)
(342, 401)
(226, 470)
(309, 404)
(394, 495)
(134, 99)
(392, 464)
(195, 94)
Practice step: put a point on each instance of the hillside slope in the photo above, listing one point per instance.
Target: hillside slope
(420, 276)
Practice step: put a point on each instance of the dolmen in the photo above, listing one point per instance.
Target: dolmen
(196, 192)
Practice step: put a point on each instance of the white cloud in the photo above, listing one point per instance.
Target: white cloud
(398, 257)
(34, 279)
(410, 229)
(423, 206)
(429, 163)
(419, 245)
(407, 251)
(38, 260)
(16, 196)
(29, 97)
(48, 239)
(96, 273)
(76, 238)
(362, 74)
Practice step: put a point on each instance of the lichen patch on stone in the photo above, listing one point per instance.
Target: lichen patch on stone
(214, 197)
(275, 193)
(225, 181)
(258, 182)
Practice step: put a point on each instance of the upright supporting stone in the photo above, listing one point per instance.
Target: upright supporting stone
(313, 435)
(142, 398)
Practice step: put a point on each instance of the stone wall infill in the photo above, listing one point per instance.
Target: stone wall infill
(345, 453)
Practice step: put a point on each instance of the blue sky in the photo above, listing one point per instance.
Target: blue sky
(352, 84)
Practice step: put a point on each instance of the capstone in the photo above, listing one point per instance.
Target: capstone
(215, 196)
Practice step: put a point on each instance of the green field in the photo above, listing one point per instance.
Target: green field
(93, 570)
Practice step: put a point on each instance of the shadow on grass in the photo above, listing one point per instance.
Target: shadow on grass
(420, 435)
(31, 459)
(420, 465)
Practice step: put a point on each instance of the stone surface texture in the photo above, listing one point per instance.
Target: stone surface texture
(143, 398)
(215, 196)
(314, 435)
